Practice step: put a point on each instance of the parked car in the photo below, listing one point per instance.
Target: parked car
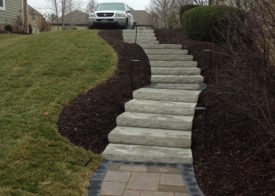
(118, 14)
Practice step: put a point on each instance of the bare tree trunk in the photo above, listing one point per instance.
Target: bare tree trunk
(56, 13)
(62, 13)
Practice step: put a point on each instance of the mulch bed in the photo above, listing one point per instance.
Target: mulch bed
(237, 156)
(90, 117)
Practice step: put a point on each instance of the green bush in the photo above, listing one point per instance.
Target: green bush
(8, 28)
(184, 9)
(207, 23)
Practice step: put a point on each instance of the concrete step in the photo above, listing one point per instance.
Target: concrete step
(174, 64)
(170, 57)
(165, 52)
(138, 31)
(177, 79)
(167, 95)
(142, 41)
(175, 71)
(143, 35)
(156, 121)
(151, 137)
(176, 86)
(148, 38)
(160, 107)
(122, 152)
(161, 46)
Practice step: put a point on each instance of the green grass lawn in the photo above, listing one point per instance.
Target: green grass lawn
(40, 74)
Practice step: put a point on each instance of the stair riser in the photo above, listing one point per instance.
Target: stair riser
(176, 80)
(141, 41)
(165, 52)
(170, 58)
(148, 140)
(166, 97)
(139, 31)
(176, 86)
(149, 39)
(147, 154)
(161, 109)
(171, 71)
(160, 46)
(145, 159)
(154, 123)
(173, 64)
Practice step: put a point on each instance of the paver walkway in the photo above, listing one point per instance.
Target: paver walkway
(143, 181)
(155, 127)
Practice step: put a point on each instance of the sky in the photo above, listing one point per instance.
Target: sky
(45, 6)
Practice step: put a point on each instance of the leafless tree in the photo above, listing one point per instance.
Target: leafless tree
(251, 40)
(55, 5)
(91, 6)
(167, 10)
(64, 4)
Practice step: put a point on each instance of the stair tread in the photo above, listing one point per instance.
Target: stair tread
(160, 107)
(172, 64)
(175, 86)
(141, 153)
(158, 121)
(157, 117)
(151, 137)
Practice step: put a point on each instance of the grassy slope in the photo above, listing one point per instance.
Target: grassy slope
(38, 76)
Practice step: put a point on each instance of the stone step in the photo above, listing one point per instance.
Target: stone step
(158, 121)
(139, 31)
(160, 107)
(142, 41)
(151, 137)
(138, 153)
(175, 71)
(144, 35)
(165, 52)
(174, 64)
(140, 38)
(161, 46)
(167, 95)
(176, 86)
(170, 57)
(146, 40)
(177, 79)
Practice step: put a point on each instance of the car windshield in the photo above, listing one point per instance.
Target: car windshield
(110, 6)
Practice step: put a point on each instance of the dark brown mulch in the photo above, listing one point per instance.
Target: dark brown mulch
(239, 158)
(90, 117)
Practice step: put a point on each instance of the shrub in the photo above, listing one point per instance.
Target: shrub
(207, 23)
(184, 9)
(8, 28)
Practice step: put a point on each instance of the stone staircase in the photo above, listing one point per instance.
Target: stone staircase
(156, 125)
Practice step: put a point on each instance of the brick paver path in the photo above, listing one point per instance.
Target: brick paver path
(131, 180)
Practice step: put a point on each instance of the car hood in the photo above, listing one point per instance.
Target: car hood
(111, 11)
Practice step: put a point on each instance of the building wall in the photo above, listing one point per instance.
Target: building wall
(13, 13)
(36, 21)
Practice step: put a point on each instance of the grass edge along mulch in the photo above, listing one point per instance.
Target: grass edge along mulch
(39, 75)
(234, 161)
(89, 118)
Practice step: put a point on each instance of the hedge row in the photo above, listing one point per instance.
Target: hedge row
(206, 23)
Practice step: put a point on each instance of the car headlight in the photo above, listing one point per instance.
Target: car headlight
(92, 14)
(120, 14)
